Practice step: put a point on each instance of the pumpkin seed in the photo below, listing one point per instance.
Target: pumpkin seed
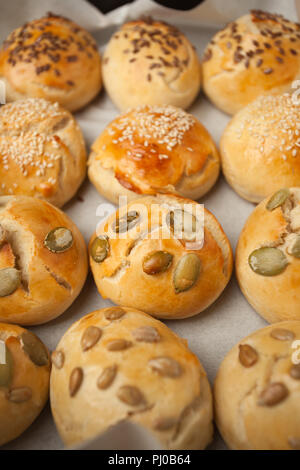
(58, 359)
(100, 248)
(90, 337)
(118, 344)
(187, 272)
(59, 239)
(34, 348)
(277, 199)
(294, 250)
(183, 224)
(275, 393)
(282, 335)
(114, 313)
(107, 377)
(19, 395)
(6, 370)
(294, 442)
(163, 424)
(130, 395)
(165, 366)
(295, 371)
(75, 381)
(147, 334)
(157, 262)
(9, 281)
(247, 355)
(125, 223)
(2, 235)
(267, 261)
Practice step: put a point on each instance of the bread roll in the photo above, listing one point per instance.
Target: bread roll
(257, 391)
(120, 364)
(43, 261)
(42, 151)
(51, 58)
(154, 255)
(268, 257)
(150, 62)
(24, 380)
(258, 53)
(154, 149)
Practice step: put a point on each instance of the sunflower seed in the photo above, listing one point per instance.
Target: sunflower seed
(165, 366)
(34, 348)
(118, 344)
(130, 395)
(114, 313)
(90, 337)
(147, 334)
(277, 199)
(294, 442)
(6, 370)
(247, 355)
(157, 262)
(268, 261)
(100, 248)
(58, 359)
(282, 335)
(107, 377)
(275, 393)
(163, 424)
(19, 395)
(187, 272)
(127, 222)
(75, 382)
(59, 239)
(9, 281)
(295, 371)
(294, 250)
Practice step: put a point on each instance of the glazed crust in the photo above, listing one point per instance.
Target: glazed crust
(176, 406)
(258, 53)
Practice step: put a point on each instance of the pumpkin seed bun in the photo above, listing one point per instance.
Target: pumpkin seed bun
(24, 380)
(120, 364)
(260, 147)
(42, 151)
(43, 260)
(143, 261)
(154, 149)
(51, 58)
(258, 53)
(268, 257)
(150, 62)
(257, 391)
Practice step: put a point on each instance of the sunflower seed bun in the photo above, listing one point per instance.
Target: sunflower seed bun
(24, 380)
(51, 58)
(255, 54)
(257, 391)
(154, 149)
(260, 148)
(118, 363)
(151, 255)
(42, 151)
(43, 262)
(150, 62)
(268, 257)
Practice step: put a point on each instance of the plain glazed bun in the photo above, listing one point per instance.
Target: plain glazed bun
(42, 151)
(51, 58)
(150, 62)
(43, 261)
(268, 257)
(258, 53)
(260, 148)
(151, 255)
(24, 380)
(257, 391)
(154, 149)
(121, 364)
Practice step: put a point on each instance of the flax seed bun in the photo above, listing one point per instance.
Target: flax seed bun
(51, 58)
(150, 62)
(258, 53)
(260, 147)
(154, 149)
(120, 364)
(42, 151)
(24, 380)
(257, 391)
(43, 262)
(268, 257)
(152, 255)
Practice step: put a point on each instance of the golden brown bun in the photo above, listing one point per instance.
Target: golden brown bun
(154, 149)
(257, 391)
(260, 147)
(44, 283)
(274, 297)
(24, 380)
(42, 151)
(151, 379)
(172, 293)
(258, 53)
(51, 58)
(150, 62)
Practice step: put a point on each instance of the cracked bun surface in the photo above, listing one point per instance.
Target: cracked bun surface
(152, 255)
(120, 364)
(150, 62)
(268, 257)
(154, 149)
(51, 58)
(257, 391)
(24, 380)
(42, 151)
(43, 261)
(260, 147)
(258, 53)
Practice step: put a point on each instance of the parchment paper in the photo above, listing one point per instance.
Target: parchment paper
(211, 334)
